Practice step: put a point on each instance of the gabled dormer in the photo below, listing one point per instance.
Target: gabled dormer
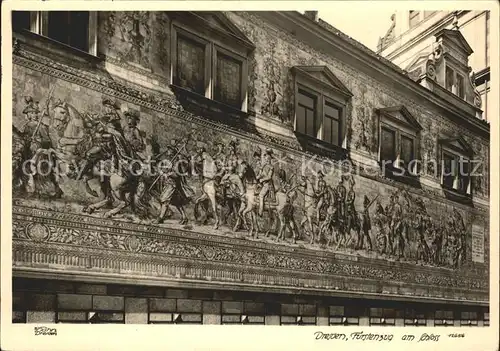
(446, 65)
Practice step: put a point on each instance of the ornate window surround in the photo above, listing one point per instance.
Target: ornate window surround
(214, 40)
(39, 24)
(408, 127)
(320, 82)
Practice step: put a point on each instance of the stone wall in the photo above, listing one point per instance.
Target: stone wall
(72, 96)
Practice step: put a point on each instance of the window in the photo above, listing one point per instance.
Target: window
(320, 106)
(460, 86)
(388, 145)
(190, 70)
(92, 317)
(228, 80)
(382, 316)
(170, 311)
(204, 65)
(332, 126)
(429, 13)
(414, 18)
(306, 114)
(344, 315)
(237, 312)
(468, 319)
(77, 29)
(450, 78)
(398, 142)
(455, 82)
(414, 318)
(486, 319)
(298, 314)
(456, 172)
(443, 318)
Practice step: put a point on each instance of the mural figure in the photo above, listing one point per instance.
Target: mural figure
(242, 189)
(39, 158)
(172, 178)
(366, 225)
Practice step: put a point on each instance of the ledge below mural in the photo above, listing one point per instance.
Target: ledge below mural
(49, 241)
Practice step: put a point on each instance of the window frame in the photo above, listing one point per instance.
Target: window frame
(212, 46)
(445, 321)
(39, 21)
(383, 318)
(413, 319)
(458, 158)
(324, 93)
(347, 316)
(399, 128)
(414, 18)
(469, 322)
(455, 89)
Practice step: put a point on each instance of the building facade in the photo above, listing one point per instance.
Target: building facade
(412, 36)
(240, 167)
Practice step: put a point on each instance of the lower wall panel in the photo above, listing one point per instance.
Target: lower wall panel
(52, 301)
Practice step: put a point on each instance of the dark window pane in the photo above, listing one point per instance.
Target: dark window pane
(306, 113)
(21, 20)
(79, 27)
(190, 72)
(336, 310)
(332, 111)
(376, 312)
(70, 28)
(327, 130)
(388, 145)
(301, 119)
(228, 81)
(332, 124)
(406, 150)
(450, 78)
(307, 100)
(460, 86)
(58, 26)
(448, 170)
(463, 176)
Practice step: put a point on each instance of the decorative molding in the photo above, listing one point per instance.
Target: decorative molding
(48, 239)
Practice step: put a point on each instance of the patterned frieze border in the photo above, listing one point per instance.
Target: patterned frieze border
(167, 104)
(82, 231)
(36, 257)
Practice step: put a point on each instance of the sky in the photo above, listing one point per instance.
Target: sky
(366, 26)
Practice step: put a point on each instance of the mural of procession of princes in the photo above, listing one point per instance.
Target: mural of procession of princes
(216, 185)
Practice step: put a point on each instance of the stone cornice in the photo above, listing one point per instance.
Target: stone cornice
(371, 61)
(54, 242)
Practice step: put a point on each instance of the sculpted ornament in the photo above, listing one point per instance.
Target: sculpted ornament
(227, 187)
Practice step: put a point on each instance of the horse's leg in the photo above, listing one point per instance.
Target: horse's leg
(119, 194)
(184, 219)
